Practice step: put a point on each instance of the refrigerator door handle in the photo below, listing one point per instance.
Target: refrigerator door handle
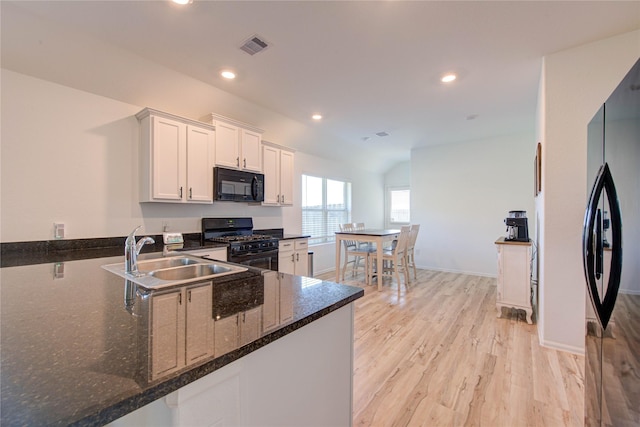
(602, 307)
(599, 254)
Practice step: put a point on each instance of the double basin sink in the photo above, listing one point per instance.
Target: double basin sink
(157, 273)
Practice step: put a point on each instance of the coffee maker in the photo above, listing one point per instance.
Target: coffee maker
(517, 227)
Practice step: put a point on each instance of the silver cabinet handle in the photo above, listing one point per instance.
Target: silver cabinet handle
(181, 192)
(297, 257)
(191, 192)
(238, 161)
(244, 163)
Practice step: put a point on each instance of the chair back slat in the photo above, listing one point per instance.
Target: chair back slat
(415, 228)
(403, 240)
(348, 243)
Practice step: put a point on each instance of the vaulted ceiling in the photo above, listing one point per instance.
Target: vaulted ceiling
(366, 66)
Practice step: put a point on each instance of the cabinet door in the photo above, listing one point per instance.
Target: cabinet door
(286, 178)
(227, 145)
(514, 267)
(271, 170)
(251, 151)
(286, 299)
(270, 308)
(168, 142)
(302, 263)
(167, 333)
(200, 147)
(225, 335)
(250, 325)
(302, 257)
(199, 323)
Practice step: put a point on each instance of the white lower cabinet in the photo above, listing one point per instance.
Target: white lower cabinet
(278, 300)
(293, 256)
(514, 276)
(237, 330)
(292, 381)
(173, 342)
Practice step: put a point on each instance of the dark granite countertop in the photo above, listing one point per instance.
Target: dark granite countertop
(294, 236)
(70, 349)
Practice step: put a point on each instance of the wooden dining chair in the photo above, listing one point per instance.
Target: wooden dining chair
(354, 253)
(411, 262)
(395, 260)
(364, 246)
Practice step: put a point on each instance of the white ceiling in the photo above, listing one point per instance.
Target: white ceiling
(366, 66)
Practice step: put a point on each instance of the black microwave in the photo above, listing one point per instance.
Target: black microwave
(237, 186)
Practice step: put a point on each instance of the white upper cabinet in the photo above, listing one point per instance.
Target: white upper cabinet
(238, 145)
(176, 158)
(251, 150)
(227, 147)
(200, 150)
(277, 166)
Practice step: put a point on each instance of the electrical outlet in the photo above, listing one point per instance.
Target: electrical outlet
(165, 226)
(58, 270)
(58, 230)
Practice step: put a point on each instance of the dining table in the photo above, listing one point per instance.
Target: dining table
(368, 235)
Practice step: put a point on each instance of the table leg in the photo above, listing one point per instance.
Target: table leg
(379, 261)
(338, 249)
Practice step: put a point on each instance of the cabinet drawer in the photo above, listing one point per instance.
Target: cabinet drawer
(285, 246)
(302, 244)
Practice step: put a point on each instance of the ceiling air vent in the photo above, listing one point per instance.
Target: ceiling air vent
(254, 45)
(381, 134)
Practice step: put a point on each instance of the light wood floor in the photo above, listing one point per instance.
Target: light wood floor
(439, 356)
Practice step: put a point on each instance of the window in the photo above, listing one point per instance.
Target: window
(326, 203)
(399, 206)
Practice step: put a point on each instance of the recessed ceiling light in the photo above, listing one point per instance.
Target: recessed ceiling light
(448, 78)
(228, 74)
(182, 1)
(317, 117)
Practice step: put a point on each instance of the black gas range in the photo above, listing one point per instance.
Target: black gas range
(244, 247)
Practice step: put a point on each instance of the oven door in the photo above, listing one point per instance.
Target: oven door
(266, 260)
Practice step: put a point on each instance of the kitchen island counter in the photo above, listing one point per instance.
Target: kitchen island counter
(71, 342)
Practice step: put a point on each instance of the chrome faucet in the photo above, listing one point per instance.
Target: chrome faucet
(132, 250)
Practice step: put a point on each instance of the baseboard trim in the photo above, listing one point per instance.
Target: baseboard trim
(447, 270)
(560, 346)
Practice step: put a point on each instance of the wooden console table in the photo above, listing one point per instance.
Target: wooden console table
(514, 276)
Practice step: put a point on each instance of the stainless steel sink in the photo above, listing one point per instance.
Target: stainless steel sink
(190, 272)
(155, 273)
(160, 263)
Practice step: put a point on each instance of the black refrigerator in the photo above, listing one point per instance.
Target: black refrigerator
(611, 255)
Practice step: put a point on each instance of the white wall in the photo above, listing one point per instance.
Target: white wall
(71, 156)
(575, 83)
(461, 194)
